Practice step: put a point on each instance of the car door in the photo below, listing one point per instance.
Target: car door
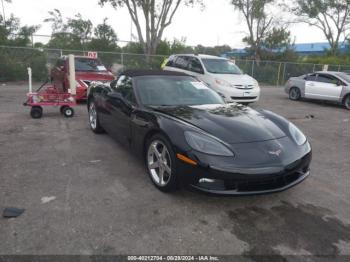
(311, 86)
(328, 87)
(119, 105)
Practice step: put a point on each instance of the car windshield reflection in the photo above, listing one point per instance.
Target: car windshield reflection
(175, 91)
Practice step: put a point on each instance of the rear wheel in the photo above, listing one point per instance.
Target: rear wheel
(68, 111)
(294, 94)
(347, 102)
(160, 161)
(36, 112)
(93, 119)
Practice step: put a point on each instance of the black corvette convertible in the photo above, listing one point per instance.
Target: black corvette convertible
(186, 133)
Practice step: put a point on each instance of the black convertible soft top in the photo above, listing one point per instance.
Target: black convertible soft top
(133, 73)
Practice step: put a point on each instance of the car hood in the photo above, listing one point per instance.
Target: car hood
(232, 123)
(236, 79)
(94, 76)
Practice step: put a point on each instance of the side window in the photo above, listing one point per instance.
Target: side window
(323, 78)
(194, 65)
(124, 87)
(311, 77)
(170, 61)
(182, 62)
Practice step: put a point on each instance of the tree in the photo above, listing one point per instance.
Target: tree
(73, 34)
(258, 21)
(56, 20)
(80, 27)
(216, 50)
(277, 38)
(105, 38)
(12, 33)
(105, 32)
(278, 45)
(157, 15)
(65, 40)
(332, 17)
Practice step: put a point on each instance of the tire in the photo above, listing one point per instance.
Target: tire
(346, 102)
(161, 162)
(62, 108)
(94, 119)
(68, 112)
(36, 112)
(294, 94)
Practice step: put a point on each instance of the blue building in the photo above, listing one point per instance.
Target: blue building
(304, 49)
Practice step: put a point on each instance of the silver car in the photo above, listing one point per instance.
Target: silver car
(331, 86)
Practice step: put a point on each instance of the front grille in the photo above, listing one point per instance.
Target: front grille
(244, 86)
(263, 184)
(293, 172)
(243, 97)
(88, 82)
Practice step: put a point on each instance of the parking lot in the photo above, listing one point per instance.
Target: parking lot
(104, 203)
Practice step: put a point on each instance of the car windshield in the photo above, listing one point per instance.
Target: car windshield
(174, 91)
(89, 65)
(221, 66)
(345, 76)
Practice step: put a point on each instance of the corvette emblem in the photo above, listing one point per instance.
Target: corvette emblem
(276, 153)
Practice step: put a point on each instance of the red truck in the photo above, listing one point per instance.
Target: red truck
(87, 69)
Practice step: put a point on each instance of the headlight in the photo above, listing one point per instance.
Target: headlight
(297, 135)
(206, 144)
(222, 82)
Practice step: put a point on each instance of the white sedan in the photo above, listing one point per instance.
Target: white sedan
(331, 86)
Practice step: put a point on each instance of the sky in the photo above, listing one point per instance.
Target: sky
(217, 24)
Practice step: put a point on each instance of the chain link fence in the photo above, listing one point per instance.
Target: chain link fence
(273, 73)
(15, 60)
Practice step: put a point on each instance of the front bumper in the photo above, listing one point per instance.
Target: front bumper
(246, 181)
(240, 95)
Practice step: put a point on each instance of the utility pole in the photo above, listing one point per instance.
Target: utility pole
(3, 12)
(131, 30)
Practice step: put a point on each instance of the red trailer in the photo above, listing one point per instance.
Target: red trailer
(50, 95)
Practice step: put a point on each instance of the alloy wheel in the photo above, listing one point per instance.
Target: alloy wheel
(294, 94)
(93, 116)
(347, 102)
(159, 163)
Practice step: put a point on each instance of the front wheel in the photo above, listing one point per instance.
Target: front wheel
(94, 120)
(160, 161)
(294, 94)
(347, 102)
